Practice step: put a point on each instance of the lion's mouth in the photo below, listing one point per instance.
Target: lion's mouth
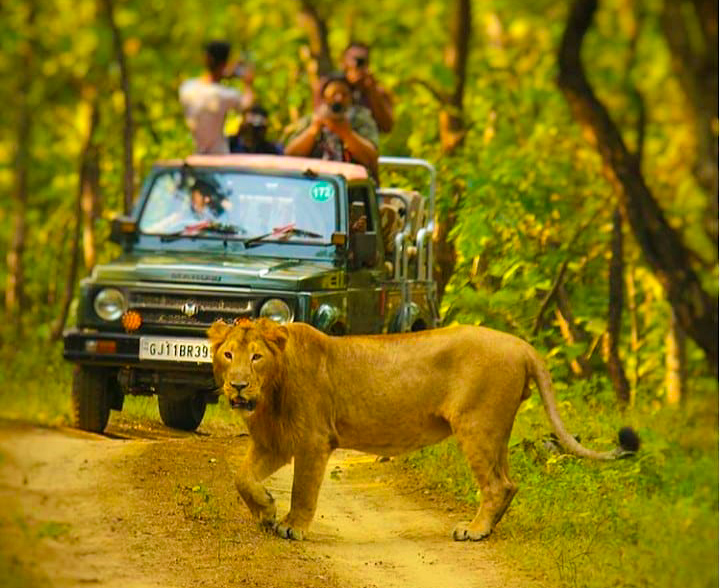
(241, 403)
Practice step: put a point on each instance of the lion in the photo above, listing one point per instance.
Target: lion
(304, 394)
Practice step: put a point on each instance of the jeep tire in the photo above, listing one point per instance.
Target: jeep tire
(185, 413)
(91, 398)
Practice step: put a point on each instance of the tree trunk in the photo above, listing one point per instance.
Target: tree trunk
(128, 131)
(15, 281)
(571, 332)
(615, 307)
(674, 364)
(87, 183)
(452, 126)
(697, 72)
(697, 313)
(320, 62)
(634, 334)
(90, 189)
(452, 135)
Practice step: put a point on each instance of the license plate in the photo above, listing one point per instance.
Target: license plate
(175, 349)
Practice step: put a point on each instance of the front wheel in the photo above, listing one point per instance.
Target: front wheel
(182, 413)
(91, 398)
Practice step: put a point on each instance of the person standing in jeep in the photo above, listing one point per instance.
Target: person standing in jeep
(366, 91)
(206, 101)
(338, 129)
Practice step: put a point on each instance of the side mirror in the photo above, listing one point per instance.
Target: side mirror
(123, 229)
(363, 249)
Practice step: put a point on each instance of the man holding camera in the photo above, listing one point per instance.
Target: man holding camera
(206, 101)
(366, 90)
(338, 129)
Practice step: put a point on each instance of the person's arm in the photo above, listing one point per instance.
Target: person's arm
(301, 144)
(362, 150)
(380, 102)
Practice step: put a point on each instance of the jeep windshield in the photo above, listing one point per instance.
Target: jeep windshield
(252, 208)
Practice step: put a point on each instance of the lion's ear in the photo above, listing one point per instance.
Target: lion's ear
(217, 332)
(274, 333)
(282, 334)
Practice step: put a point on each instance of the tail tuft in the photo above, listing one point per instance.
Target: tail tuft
(629, 440)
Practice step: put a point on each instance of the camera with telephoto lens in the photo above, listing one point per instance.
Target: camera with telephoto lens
(239, 71)
(337, 110)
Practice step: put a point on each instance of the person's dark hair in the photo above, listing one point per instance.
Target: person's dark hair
(359, 45)
(217, 53)
(205, 187)
(336, 76)
(258, 109)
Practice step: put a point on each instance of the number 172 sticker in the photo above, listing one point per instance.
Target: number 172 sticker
(322, 191)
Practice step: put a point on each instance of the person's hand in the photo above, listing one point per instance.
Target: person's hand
(244, 70)
(368, 81)
(319, 118)
(340, 125)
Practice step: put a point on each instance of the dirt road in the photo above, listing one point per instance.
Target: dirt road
(145, 506)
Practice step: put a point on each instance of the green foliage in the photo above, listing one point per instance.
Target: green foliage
(35, 383)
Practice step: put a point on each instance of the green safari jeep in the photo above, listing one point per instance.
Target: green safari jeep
(245, 236)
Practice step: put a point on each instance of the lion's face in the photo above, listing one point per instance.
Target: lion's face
(246, 359)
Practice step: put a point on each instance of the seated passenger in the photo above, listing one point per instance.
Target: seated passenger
(251, 136)
(205, 206)
(338, 129)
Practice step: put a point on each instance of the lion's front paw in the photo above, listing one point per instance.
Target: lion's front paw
(265, 514)
(267, 522)
(286, 531)
(463, 532)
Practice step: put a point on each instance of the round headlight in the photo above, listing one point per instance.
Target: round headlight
(110, 304)
(276, 310)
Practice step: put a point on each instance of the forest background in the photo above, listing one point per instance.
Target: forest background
(577, 209)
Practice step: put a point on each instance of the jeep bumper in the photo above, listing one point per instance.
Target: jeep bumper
(119, 350)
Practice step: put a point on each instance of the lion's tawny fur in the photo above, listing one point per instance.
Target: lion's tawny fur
(303, 394)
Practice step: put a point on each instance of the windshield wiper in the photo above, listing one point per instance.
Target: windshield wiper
(280, 233)
(201, 228)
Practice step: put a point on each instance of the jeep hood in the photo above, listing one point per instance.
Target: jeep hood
(222, 270)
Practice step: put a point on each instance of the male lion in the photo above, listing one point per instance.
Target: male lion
(303, 394)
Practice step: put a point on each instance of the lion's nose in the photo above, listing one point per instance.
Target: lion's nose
(239, 386)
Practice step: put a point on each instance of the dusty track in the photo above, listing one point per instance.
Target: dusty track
(149, 507)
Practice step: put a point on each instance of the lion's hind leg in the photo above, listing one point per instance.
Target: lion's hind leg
(489, 462)
(257, 466)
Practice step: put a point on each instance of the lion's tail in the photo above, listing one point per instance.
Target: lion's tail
(629, 442)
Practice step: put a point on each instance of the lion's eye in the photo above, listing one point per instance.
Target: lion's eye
(256, 356)
(228, 355)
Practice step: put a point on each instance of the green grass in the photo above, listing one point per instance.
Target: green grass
(651, 520)
(35, 383)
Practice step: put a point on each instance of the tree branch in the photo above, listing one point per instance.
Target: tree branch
(663, 250)
(317, 31)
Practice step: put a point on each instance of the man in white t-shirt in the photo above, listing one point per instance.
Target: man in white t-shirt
(206, 101)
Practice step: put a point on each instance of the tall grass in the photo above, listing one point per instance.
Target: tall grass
(651, 520)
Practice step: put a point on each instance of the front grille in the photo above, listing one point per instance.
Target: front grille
(188, 309)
